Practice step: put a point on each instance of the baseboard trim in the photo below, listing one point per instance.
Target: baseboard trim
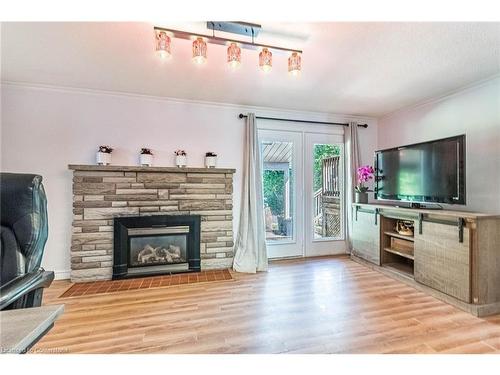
(302, 259)
(62, 275)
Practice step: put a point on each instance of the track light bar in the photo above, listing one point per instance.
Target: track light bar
(235, 27)
(224, 41)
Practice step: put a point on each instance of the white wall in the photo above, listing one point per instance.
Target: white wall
(475, 112)
(44, 129)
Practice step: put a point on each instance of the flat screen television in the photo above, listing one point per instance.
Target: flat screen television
(432, 172)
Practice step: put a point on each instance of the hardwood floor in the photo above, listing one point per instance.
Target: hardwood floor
(319, 305)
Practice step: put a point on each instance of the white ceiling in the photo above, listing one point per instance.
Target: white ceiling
(351, 68)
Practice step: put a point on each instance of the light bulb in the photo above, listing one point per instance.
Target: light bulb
(266, 68)
(199, 60)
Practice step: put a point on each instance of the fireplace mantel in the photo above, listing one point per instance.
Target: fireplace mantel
(135, 168)
(102, 193)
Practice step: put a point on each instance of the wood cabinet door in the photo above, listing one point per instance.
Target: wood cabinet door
(366, 236)
(441, 261)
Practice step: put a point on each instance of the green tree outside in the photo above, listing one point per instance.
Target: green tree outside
(274, 191)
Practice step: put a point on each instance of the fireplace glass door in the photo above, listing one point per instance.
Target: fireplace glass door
(158, 249)
(156, 245)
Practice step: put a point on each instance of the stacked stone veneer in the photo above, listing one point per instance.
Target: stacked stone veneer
(101, 193)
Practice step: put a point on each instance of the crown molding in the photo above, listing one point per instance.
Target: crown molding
(442, 97)
(261, 110)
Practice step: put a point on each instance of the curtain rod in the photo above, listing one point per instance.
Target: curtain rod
(241, 115)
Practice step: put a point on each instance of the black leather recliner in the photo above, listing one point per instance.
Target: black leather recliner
(24, 231)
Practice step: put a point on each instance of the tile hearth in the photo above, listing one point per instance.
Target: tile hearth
(109, 286)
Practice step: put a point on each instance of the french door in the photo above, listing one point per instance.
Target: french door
(303, 188)
(324, 194)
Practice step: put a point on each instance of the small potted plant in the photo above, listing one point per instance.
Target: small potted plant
(180, 158)
(210, 160)
(146, 157)
(365, 174)
(103, 156)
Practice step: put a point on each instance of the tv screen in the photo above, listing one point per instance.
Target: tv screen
(431, 172)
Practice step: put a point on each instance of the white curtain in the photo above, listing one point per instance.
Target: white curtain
(250, 246)
(353, 160)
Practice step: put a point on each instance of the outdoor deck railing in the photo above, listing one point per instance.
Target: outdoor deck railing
(317, 202)
(331, 178)
(326, 200)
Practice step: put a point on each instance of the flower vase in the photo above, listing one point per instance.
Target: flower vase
(146, 160)
(103, 158)
(210, 161)
(361, 197)
(181, 161)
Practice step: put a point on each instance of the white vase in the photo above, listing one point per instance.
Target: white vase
(146, 160)
(103, 158)
(210, 161)
(181, 161)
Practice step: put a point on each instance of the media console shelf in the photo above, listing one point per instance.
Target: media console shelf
(453, 255)
(397, 249)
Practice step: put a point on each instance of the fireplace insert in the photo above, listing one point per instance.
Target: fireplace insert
(156, 245)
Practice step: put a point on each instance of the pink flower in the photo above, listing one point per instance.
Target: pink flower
(365, 173)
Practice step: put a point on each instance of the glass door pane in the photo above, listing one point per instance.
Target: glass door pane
(278, 190)
(327, 183)
(281, 185)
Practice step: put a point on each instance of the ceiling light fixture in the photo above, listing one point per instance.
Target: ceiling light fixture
(234, 49)
(266, 60)
(199, 51)
(162, 44)
(234, 55)
(294, 64)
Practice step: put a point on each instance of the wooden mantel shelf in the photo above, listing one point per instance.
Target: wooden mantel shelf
(136, 168)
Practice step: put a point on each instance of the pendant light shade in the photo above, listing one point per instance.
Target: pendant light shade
(199, 51)
(234, 55)
(294, 64)
(162, 44)
(266, 60)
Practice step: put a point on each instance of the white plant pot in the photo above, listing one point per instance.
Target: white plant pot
(146, 160)
(103, 158)
(361, 197)
(210, 161)
(181, 161)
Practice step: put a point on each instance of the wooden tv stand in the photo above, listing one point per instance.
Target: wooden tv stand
(453, 255)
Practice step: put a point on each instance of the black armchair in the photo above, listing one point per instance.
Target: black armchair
(23, 236)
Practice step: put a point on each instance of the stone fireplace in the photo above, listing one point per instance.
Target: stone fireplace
(156, 245)
(103, 194)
